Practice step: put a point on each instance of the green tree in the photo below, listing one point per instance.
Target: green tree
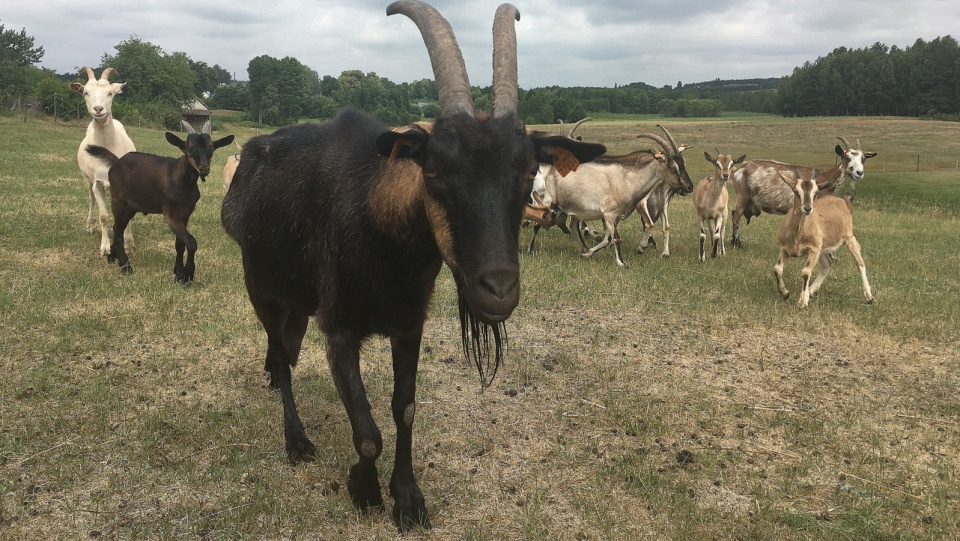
(17, 57)
(157, 86)
(278, 88)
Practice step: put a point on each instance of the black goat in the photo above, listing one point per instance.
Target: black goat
(350, 222)
(152, 184)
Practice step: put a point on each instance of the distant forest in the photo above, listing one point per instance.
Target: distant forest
(920, 80)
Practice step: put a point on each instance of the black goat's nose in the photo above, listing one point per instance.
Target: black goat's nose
(500, 284)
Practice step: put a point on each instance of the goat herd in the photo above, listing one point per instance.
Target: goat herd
(350, 222)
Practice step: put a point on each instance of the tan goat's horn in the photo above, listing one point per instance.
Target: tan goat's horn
(670, 137)
(846, 144)
(505, 98)
(577, 125)
(658, 140)
(453, 86)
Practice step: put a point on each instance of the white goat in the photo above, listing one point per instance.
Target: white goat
(759, 189)
(815, 227)
(710, 202)
(610, 187)
(107, 132)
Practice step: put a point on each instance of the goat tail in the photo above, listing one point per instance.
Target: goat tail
(476, 336)
(103, 154)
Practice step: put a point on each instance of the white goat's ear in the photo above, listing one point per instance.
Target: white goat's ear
(77, 87)
(117, 87)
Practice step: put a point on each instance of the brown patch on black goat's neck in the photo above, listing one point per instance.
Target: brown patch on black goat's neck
(399, 202)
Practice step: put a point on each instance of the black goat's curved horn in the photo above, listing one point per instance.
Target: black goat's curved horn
(186, 126)
(453, 86)
(505, 99)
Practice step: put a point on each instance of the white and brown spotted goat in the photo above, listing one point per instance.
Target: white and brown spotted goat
(814, 228)
(759, 188)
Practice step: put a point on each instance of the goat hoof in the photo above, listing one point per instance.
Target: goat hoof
(111, 258)
(126, 269)
(364, 488)
(301, 450)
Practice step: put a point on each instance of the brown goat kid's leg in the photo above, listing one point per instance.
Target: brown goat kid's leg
(343, 356)
(812, 257)
(854, 247)
(409, 509)
(778, 275)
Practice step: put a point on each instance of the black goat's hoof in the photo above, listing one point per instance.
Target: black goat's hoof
(183, 280)
(126, 269)
(364, 487)
(111, 258)
(301, 450)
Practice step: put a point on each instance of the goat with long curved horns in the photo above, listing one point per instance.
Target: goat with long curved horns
(350, 222)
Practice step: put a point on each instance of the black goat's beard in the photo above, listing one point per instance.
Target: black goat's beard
(475, 336)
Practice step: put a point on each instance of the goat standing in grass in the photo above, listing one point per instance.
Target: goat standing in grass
(815, 227)
(710, 202)
(610, 187)
(151, 184)
(107, 132)
(351, 221)
(759, 189)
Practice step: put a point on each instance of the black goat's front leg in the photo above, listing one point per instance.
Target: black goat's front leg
(183, 272)
(343, 356)
(409, 509)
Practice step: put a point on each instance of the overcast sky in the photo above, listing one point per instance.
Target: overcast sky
(561, 42)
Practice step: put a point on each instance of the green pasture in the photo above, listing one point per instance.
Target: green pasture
(671, 399)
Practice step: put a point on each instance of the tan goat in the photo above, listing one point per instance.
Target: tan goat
(710, 199)
(815, 227)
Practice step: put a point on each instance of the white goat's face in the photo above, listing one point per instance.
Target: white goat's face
(98, 94)
(853, 160)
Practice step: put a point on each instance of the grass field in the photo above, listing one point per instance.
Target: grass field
(671, 399)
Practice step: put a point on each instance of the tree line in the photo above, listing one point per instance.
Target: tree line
(921, 80)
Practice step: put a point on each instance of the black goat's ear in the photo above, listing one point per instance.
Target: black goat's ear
(558, 148)
(407, 142)
(839, 150)
(176, 141)
(220, 143)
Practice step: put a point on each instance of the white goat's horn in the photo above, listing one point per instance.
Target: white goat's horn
(105, 76)
(90, 74)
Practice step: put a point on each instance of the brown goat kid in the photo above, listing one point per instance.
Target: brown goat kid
(141, 182)
(710, 199)
(815, 227)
